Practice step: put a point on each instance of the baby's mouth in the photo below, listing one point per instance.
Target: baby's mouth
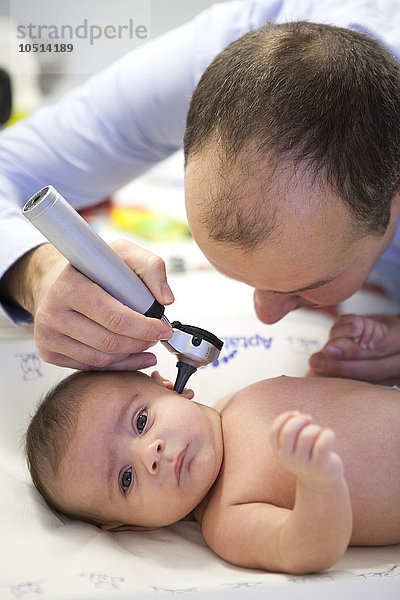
(179, 463)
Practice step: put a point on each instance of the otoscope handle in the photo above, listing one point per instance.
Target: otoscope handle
(59, 222)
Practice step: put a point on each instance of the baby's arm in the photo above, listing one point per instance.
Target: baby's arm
(310, 537)
(317, 531)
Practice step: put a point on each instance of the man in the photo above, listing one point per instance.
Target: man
(93, 142)
(293, 172)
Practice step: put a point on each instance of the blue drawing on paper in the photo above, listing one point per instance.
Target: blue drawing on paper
(301, 345)
(252, 341)
(103, 582)
(233, 345)
(27, 589)
(311, 578)
(173, 590)
(243, 585)
(392, 572)
(30, 364)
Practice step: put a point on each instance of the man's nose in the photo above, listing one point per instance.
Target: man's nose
(271, 307)
(151, 453)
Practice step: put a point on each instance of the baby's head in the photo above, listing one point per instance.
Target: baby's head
(122, 451)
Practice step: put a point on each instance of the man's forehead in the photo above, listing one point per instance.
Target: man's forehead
(265, 190)
(262, 272)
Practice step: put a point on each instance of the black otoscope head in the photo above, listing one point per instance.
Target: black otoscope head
(184, 372)
(194, 347)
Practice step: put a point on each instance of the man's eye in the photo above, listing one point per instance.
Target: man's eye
(126, 479)
(141, 421)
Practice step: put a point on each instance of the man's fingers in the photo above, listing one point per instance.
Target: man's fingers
(53, 346)
(149, 267)
(76, 326)
(94, 303)
(131, 363)
(347, 349)
(385, 369)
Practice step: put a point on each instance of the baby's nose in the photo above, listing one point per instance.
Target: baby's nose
(152, 454)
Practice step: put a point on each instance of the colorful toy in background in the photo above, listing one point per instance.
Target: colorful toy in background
(148, 224)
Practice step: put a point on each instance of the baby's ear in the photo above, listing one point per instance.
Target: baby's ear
(126, 527)
(189, 394)
(162, 380)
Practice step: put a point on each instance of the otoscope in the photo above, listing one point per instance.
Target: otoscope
(60, 223)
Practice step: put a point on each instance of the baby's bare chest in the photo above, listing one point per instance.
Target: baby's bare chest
(368, 442)
(251, 471)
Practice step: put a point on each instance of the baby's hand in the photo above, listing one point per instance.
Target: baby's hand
(306, 449)
(367, 332)
(360, 347)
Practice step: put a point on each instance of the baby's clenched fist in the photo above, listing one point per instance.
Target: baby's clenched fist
(306, 449)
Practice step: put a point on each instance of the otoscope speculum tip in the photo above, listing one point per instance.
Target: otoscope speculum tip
(184, 372)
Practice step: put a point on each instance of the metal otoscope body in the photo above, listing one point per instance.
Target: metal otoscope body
(59, 222)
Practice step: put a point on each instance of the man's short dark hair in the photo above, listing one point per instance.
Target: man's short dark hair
(321, 96)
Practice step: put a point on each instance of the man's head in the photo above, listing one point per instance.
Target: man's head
(292, 151)
(120, 450)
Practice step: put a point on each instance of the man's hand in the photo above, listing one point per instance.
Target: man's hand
(79, 325)
(306, 449)
(359, 347)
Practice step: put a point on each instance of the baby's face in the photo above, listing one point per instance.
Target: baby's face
(141, 454)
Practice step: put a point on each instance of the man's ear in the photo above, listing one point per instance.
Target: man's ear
(126, 527)
(189, 394)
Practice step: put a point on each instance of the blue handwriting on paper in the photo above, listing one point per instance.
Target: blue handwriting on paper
(234, 344)
(30, 365)
(27, 589)
(103, 582)
(392, 572)
(253, 341)
(243, 585)
(173, 590)
(311, 578)
(301, 345)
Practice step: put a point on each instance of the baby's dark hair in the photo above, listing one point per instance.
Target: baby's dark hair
(51, 431)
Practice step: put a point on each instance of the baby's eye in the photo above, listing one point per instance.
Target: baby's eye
(141, 421)
(126, 479)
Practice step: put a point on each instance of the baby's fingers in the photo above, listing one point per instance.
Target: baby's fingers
(324, 458)
(349, 326)
(323, 445)
(285, 431)
(374, 333)
(277, 427)
(306, 442)
(371, 335)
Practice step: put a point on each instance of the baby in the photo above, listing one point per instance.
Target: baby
(272, 488)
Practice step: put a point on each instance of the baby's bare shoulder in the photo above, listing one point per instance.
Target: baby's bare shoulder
(262, 392)
(279, 394)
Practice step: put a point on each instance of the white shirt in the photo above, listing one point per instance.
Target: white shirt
(131, 115)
